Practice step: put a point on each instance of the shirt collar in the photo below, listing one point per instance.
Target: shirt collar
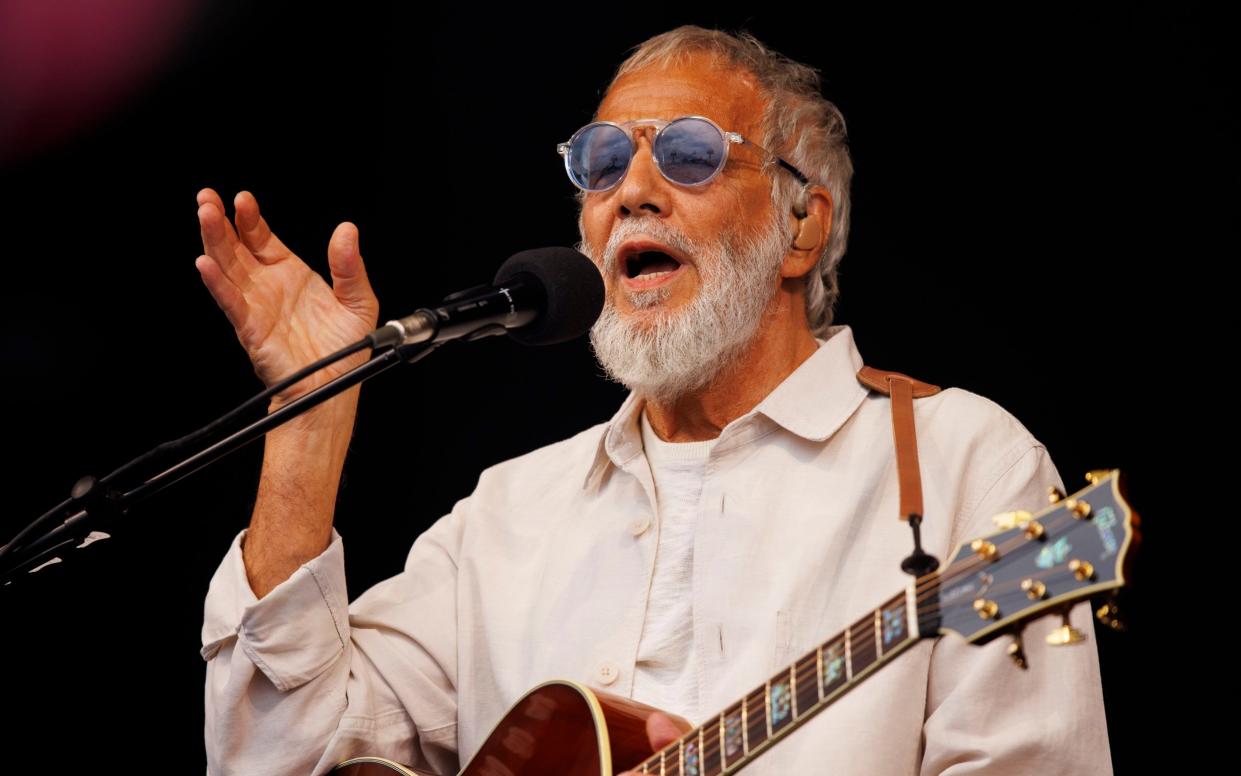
(812, 402)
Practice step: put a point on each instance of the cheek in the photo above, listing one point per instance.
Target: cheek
(594, 231)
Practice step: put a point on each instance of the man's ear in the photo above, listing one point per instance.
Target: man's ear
(811, 232)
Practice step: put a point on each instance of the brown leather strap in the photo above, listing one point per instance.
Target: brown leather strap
(903, 389)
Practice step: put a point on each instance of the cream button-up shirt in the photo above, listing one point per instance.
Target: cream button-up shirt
(544, 570)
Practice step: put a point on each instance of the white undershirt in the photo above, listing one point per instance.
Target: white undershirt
(666, 673)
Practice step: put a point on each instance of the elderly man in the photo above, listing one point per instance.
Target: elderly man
(739, 508)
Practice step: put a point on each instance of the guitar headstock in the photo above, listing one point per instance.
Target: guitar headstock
(1080, 546)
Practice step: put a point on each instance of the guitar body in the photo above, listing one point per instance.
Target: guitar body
(558, 727)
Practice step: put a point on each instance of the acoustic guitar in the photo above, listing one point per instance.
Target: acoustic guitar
(1033, 565)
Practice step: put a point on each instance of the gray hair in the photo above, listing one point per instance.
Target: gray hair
(799, 124)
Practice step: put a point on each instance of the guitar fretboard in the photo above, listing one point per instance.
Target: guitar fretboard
(729, 740)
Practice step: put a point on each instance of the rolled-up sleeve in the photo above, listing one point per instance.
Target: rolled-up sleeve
(301, 680)
(984, 714)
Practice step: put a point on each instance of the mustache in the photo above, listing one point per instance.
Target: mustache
(659, 231)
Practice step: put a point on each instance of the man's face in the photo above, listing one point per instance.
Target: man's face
(670, 326)
(736, 203)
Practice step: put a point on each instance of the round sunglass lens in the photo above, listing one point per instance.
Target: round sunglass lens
(690, 151)
(599, 156)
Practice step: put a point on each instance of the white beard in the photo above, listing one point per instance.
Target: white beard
(665, 355)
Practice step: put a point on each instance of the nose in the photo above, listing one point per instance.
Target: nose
(644, 188)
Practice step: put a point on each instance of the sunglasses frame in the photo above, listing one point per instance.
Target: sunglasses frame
(727, 138)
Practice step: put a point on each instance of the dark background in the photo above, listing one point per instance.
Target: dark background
(1042, 205)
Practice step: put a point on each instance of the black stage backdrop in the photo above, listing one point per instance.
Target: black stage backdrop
(1039, 212)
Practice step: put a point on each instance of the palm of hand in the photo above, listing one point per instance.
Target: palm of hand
(284, 314)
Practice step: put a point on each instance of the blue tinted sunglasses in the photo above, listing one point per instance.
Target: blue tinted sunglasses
(690, 151)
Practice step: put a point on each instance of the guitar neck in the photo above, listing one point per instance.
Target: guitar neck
(730, 739)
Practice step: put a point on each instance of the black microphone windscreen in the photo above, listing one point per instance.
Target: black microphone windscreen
(573, 289)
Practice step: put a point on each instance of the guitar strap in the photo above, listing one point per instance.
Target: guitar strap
(902, 389)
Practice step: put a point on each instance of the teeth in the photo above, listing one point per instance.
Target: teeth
(654, 275)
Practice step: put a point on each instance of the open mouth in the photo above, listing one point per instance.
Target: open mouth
(650, 267)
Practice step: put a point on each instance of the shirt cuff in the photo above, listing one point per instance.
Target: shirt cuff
(295, 631)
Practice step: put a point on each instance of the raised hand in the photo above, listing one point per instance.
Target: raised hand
(285, 315)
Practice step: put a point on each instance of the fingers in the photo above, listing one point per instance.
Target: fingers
(226, 295)
(349, 279)
(254, 232)
(220, 241)
(662, 729)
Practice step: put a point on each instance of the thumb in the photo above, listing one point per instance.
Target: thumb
(662, 729)
(349, 280)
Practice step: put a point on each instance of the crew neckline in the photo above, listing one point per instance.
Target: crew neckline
(657, 450)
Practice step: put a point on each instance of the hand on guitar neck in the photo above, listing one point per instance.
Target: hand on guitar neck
(662, 729)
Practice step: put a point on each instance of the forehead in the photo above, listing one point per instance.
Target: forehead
(728, 96)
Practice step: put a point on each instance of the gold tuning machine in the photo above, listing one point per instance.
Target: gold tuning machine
(1022, 519)
(1065, 634)
(1082, 569)
(984, 549)
(1008, 520)
(986, 609)
(1079, 507)
(1054, 495)
(1095, 476)
(1036, 590)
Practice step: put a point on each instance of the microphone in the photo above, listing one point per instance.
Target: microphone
(539, 297)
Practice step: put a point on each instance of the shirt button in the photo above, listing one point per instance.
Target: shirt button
(607, 673)
(639, 526)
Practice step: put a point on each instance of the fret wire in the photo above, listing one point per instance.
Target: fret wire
(911, 611)
(818, 672)
(721, 738)
(848, 656)
(878, 634)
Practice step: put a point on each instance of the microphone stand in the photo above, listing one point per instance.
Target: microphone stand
(96, 503)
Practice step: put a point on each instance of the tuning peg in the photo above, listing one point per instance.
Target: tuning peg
(1017, 652)
(1065, 634)
(1006, 520)
(1109, 615)
(1079, 507)
(1095, 476)
(1034, 589)
(1082, 569)
(984, 549)
(1054, 494)
(986, 609)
